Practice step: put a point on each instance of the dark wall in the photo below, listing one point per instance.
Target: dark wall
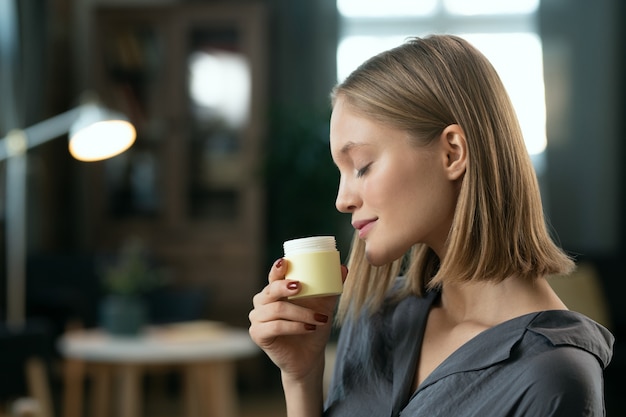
(580, 41)
(301, 178)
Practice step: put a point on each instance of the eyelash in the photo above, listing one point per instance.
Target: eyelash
(363, 171)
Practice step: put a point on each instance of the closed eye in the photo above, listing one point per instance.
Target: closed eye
(363, 171)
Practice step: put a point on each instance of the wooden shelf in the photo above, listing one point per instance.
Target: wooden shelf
(190, 186)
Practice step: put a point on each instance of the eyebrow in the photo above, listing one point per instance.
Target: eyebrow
(349, 146)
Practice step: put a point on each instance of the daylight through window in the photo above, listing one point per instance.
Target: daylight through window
(505, 32)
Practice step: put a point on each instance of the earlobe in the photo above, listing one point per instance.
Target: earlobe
(455, 146)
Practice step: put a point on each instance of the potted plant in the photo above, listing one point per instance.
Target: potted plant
(123, 310)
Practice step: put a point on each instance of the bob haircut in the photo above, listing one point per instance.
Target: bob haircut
(498, 229)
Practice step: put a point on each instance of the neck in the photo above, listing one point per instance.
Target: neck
(489, 303)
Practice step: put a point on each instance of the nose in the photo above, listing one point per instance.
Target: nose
(347, 199)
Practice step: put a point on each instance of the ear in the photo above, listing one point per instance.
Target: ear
(455, 148)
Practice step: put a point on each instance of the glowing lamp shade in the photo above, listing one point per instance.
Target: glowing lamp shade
(99, 134)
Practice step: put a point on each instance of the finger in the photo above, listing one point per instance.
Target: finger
(264, 333)
(344, 273)
(284, 310)
(276, 290)
(278, 271)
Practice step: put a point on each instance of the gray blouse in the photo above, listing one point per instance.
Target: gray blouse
(548, 363)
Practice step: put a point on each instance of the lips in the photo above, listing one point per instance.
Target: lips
(363, 226)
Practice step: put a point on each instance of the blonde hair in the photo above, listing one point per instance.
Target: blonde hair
(499, 229)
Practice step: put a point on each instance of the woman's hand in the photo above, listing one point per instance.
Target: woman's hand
(292, 333)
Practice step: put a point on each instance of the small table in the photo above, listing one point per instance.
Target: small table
(204, 351)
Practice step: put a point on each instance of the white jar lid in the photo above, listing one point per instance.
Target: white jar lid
(310, 244)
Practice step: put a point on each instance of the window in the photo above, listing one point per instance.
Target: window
(505, 31)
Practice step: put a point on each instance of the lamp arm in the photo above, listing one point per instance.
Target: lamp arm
(41, 132)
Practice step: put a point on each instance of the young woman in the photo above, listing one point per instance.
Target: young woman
(446, 310)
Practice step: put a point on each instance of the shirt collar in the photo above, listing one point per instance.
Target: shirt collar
(562, 327)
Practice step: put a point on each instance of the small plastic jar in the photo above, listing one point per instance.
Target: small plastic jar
(314, 262)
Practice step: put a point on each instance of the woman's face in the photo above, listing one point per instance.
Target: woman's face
(398, 193)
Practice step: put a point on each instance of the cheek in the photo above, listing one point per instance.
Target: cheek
(374, 193)
(389, 183)
(382, 193)
(424, 200)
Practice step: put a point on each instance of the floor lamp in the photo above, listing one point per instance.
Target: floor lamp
(95, 133)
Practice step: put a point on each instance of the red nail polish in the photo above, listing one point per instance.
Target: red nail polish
(322, 318)
(293, 285)
(279, 263)
(308, 326)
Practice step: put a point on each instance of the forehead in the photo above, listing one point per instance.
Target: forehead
(351, 131)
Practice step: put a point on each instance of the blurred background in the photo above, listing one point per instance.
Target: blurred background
(230, 103)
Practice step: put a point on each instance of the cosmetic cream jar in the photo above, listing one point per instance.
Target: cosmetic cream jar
(314, 262)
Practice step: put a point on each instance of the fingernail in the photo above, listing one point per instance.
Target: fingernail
(279, 263)
(310, 326)
(322, 318)
(293, 285)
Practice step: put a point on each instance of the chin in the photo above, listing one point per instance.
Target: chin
(374, 262)
(378, 259)
(384, 257)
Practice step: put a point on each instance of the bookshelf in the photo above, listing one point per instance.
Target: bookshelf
(192, 79)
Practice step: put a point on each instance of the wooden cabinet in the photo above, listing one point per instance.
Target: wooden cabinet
(192, 79)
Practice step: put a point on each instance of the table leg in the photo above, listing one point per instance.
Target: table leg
(74, 371)
(101, 390)
(218, 383)
(38, 385)
(130, 390)
(191, 392)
